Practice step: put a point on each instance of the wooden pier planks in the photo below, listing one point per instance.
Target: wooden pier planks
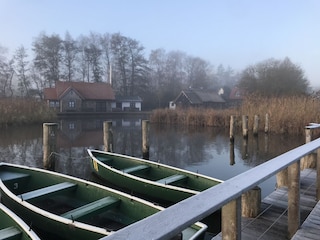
(272, 222)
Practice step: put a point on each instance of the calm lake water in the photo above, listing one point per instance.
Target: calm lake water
(204, 150)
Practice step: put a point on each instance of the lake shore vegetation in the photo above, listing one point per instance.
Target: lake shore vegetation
(287, 115)
(18, 111)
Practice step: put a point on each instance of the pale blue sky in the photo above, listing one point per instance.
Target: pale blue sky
(237, 33)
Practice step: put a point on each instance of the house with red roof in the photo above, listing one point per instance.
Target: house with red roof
(80, 97)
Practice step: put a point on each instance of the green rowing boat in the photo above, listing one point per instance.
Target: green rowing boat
(13, 227)
(152, 179)
(72, 208)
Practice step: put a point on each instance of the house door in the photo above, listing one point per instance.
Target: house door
(101, 107)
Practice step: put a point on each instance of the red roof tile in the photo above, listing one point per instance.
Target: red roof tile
(89, 91)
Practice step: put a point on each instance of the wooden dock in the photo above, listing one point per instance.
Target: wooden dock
(272, 221)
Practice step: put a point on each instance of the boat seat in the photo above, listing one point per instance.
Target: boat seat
(104, 159)
(172, 179)
(10, 233)
(9, 176)
(135, 168)
(48, 190)
(95, 207)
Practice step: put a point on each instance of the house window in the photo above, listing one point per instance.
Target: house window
(132, 104)
(72, 104)
(71, 126)
(52, 103)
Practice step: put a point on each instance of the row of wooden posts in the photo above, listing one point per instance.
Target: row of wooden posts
(245, 129)
(50, 141)
(250, 200)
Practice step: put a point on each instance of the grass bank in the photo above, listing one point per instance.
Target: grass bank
(18, 111)
(286, 115)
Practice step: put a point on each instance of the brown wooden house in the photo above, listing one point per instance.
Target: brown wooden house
(199, 98)
(80, 97)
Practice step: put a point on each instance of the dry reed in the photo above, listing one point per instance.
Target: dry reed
(18, 111)
(287, 114)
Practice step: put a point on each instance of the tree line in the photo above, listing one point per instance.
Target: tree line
(157, 77)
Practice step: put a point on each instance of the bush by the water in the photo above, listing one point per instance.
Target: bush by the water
(16, 111)
(286, 114)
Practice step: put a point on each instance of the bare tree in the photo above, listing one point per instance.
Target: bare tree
(69, 55)
(48, 56)
(22, 69)
(6, 74)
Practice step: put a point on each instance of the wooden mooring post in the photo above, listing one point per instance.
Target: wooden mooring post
(266, 123)
(232, 127)
(255, 125)
(245, 126)
(49, 144)
(107, 136)
(145, 139)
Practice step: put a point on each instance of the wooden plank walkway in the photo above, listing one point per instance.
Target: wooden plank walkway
(272, 222)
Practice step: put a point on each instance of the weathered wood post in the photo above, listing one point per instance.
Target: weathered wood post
(232, 157)
(232, 126)
(282, 178)
(256, 125)
(251, 201)
(309, 161)
(266, 124)
(245, 126)
(293, 198)
(318, 174)
(107, 136)
(231, 220)
(49, 145)
(145, 139)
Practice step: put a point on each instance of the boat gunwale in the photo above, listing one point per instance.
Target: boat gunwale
(144, 180)
(19, 222)
(61, 219)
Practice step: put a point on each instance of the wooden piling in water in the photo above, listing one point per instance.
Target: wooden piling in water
(145, 139)
(266, 124)
(49, 145)
(245, 126)
(107, 136)
(251, 202)
(232, 127)
(255, 125)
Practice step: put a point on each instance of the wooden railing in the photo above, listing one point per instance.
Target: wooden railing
(226, 196)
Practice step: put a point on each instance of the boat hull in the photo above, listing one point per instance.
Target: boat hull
(72, 208)
(14, 226)
(148, 187)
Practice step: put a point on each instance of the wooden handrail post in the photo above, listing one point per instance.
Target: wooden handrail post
(293, 198)
(231, 220)
(318, 174)
(251, 202)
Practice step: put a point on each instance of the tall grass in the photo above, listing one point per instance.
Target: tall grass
(18, 111)
(286, 115)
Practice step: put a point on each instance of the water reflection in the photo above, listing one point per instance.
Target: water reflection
(204, 150)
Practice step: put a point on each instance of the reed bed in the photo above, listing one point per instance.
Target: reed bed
(287, 115)
(18, 111)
